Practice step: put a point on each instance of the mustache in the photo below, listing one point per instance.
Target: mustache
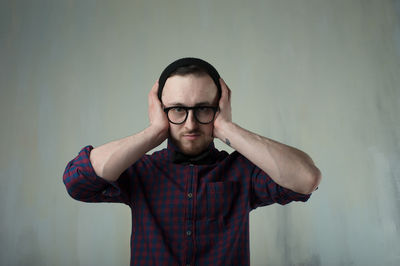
(192, 132)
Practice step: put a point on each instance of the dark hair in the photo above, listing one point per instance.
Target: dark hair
(189, 70)
(186, 66)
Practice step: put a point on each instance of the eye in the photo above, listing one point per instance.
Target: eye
(204, 109)
(178, 110)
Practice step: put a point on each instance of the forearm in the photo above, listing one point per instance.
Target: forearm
(111, 159)
(287, 166)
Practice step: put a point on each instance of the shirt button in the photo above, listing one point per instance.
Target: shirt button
(190, 195)
(188, 232)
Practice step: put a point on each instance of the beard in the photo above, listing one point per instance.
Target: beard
(193, 142)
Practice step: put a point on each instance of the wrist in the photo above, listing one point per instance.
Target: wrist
(156, 133)
(222, 130)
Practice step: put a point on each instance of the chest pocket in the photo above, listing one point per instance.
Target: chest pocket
(221, 198)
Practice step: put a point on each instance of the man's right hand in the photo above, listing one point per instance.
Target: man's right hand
(111, 159)
(158, 118)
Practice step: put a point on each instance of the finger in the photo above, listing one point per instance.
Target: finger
(226, 92)
(223, 87)
(154, 89)
(153, 94)
(229, 94)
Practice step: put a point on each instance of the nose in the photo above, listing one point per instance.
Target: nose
(191, 122)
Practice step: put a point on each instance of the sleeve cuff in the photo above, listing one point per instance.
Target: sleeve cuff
(296, 196)
(111, 189)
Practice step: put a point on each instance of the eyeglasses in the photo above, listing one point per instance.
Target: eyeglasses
(203, 114)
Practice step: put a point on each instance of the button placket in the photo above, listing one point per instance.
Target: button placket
(189, 234)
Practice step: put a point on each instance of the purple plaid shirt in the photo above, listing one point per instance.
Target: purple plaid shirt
(183, 214)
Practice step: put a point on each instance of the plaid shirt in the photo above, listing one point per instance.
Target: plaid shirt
(183, 214)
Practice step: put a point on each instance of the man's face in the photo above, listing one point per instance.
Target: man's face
(191, 137)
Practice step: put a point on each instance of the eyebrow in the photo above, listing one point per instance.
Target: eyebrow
(197, 104)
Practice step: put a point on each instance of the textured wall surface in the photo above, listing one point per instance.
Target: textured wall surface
(323, 76)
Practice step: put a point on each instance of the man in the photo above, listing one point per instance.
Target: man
(190, 202)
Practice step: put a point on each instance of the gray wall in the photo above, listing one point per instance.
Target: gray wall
(322, 76)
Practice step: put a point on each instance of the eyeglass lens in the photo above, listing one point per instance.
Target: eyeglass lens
(202, 114)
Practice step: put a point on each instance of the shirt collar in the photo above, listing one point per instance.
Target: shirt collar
(172, 149)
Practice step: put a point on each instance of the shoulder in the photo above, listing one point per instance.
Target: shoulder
(155, 157)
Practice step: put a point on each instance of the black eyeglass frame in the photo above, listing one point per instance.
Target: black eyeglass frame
(194, 108)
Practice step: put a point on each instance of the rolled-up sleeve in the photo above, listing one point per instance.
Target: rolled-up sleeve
(265, 191)
(83, 184)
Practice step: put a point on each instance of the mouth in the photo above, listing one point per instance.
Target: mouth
(191, 136)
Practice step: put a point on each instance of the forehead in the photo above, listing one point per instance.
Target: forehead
(189, 90)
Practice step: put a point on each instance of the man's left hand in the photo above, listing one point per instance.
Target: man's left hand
(224, 115)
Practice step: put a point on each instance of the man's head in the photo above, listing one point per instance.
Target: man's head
(186, 66)
(191, 85)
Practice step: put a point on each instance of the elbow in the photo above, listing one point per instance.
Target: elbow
(314, 180)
